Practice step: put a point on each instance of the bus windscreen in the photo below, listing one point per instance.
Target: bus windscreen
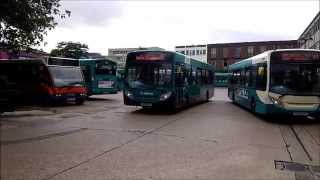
(66, 76)
(296, 73)
(106, 68)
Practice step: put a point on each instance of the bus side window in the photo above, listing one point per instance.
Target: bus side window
(261, 80)
(247, 77)
(253, 74)
(194, 77)
(178, 75)
(242, 78)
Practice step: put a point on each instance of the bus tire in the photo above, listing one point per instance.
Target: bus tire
(187, 100)
(207, 97)
(253, 106)
(232, 97)
(79, 101)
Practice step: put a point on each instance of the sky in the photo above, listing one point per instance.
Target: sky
(107, 24)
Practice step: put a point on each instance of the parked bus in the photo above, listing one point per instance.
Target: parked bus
(34, 82)
(166, 79)
(222, 79)
(284, 82)
(99, 74)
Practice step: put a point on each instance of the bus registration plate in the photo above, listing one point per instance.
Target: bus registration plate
(146, 104)
(105, 84)
(71, 99)
(300, 113)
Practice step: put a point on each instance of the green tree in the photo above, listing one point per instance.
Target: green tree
(23, 23)
(70, 50)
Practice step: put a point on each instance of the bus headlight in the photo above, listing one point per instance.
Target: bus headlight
(165, 96)
(276, 101)
(128, 94)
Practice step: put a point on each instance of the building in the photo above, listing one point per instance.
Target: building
(224, 54)
(198, 52)
(119, 54)
(310, 38)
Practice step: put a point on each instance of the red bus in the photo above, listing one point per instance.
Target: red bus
(34, 82)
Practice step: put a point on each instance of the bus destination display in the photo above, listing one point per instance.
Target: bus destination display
(297, 56)
(151, 57)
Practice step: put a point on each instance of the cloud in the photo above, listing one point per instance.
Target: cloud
(90, 13)
(114, 24)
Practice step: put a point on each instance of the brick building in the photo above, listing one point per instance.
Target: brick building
(310, 38)
(224, 54)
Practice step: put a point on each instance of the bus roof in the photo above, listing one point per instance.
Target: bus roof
(179, 58)
(97, 59)
(262, 57)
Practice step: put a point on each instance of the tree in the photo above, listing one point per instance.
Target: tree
(23, 23)
(70, 50)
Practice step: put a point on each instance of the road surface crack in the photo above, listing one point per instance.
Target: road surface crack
(39, 138)
(112, 149)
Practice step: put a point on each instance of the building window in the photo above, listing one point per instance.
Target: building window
(203, 51)
(225, 64)
(187, 52)
(213, 53)
(182, 52)
(238, 52)
(225, 52)
(263, 49)
(197, 51)
(250, 50)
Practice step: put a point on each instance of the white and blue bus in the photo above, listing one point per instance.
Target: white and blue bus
(282, 82)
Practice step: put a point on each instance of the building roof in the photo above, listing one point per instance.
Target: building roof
(308, 27)
(254, 42)
(188, 46)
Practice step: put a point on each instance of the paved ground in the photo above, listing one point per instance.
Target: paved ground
(104, 139)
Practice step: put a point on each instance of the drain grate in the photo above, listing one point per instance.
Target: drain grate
(302, 171)
(290, 166)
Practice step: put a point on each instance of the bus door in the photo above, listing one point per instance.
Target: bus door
(87, 73)
(179, 84)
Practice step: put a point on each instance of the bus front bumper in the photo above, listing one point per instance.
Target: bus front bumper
(59, 98)
(271, 109)
(152, 103)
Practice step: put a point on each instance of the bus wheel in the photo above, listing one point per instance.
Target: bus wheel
(79, 101)
(187, 100)
(253, 105)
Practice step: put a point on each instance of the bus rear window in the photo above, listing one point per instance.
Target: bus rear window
(107, 69)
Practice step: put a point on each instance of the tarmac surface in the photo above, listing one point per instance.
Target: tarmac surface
(104, 139)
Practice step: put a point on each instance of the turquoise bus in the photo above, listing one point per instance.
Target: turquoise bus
(222, 79)
(278, 82)
(99, 74)
(164, 79)
(120, 78)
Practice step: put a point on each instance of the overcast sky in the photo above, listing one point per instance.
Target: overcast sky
(118, 24)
